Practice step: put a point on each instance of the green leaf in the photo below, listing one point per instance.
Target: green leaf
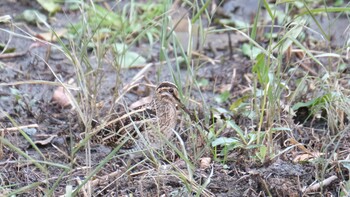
(203, 82)
(295, 29)
(314, 102)
(49, 5)
(262, 153)
(224, 141)
(261, 69)
(250, 51)
(235, 105)
(223, 97)
(345, 188)
(345, 163)
(323, 10)
(104, 18)
(128, 58)
(32, 16)
(249, 114)
(338, 2)
(5, 19)
(240, 132)
(15, 92)
(3, 49)
(235, 22)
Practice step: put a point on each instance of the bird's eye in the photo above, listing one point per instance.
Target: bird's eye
(171, 91)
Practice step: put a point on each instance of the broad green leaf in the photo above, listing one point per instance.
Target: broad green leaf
(223, 97)
(238, 103)
(104, 18)
(203, 82)
(235, 22)
(314, 102)
(128, 58)
(251, 51)
(49, 5)
(224, 141)
(295, 29)
(32, 16)
(261, 69)
(262, 152)
(240, 132)
(339, 3)
(5, 19)
(249, 114)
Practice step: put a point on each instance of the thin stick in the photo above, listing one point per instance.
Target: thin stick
(323, 183)
(13, 55)
(20, 127)
(83, 189)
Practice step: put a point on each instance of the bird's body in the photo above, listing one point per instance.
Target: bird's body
(151, 126)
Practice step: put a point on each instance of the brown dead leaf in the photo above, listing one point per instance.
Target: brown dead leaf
(50, 36)
(141, 102)
(317, 186)
(299, 145)
(205, 162)
(60, 96)
(302, 158)
(100, 104)
(45, 141)
(300, 54)
(224, 88)
(306, 157)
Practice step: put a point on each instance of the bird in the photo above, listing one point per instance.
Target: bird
(149, 127)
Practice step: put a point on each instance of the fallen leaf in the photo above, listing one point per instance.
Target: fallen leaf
(5, 19)
(302, 158)
(205, 162)
(45, 141)
(224, 88)
(143, 101)
(32, 16)
(60, 96)
(52, 36)
(49, 5)
(293, 141)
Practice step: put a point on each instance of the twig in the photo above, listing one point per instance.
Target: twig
(20, 127)
(83, 189)
(230, 45)
(323, 183)
(107, 177)
(13, 55)
(307, 68)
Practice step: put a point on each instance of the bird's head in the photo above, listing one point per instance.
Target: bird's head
(169, 93)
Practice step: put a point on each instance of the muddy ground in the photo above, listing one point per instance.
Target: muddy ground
(59, 129)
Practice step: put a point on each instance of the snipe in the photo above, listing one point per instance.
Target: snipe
(148, 127)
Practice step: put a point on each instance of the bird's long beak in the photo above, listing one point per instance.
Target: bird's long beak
(178, 102)
(183, 107)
